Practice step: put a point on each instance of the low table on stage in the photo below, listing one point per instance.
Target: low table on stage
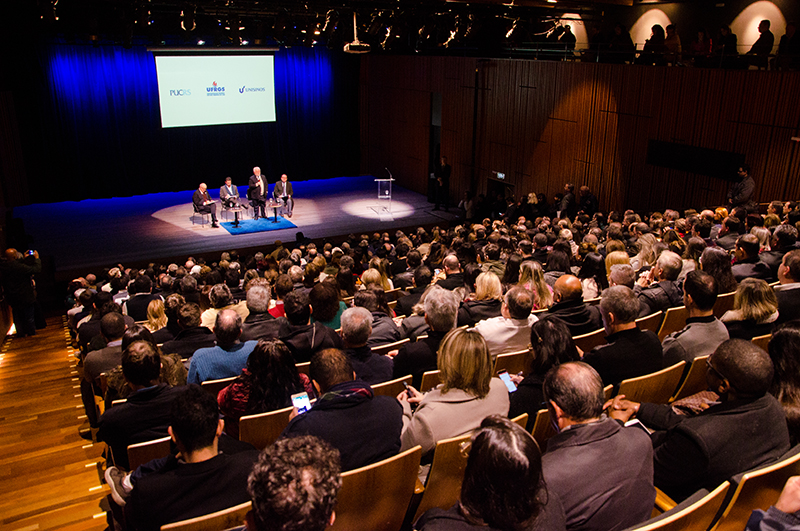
(235, 211)
(274, 205)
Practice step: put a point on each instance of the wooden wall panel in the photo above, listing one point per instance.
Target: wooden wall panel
(547, 123)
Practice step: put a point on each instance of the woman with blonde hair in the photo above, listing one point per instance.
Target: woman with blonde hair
(486, 303)
(616, 257)
(466, 396)
(531, 278)
(381, 266)
(755, 310)
(156, 318)
(647, 252)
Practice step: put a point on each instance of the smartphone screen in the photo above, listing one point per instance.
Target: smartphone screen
(507, 380)
(301, 402)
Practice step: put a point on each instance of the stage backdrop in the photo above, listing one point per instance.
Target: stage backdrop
(100, 133)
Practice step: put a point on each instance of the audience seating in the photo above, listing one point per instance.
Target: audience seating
(723, 304)
(587, 342)
(375, 497)
(263, 429)
(382, 350)
(651, 322)
(521, 420)
(513, 362)
(656, 387)
(697, 512)
(141, 453)
(608, 391)
(215, 386)
(695, 380)
(118, 401)
(225, 519)
(304, 368)
(430, 379)
(542, 428)
(443, 485)
(422, 336)
(762, 341)
(592, 302)
(392, 387)
(674, 320)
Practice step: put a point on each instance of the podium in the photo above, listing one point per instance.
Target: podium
(384, 194)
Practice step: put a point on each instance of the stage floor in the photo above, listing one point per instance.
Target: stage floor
(101, 232)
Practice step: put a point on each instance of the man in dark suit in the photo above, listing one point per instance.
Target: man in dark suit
(136, 306)
(422, 278)
(192, 336)
(259, 323)
(229, 191)
(17, 273)
(783, 240)
(788, 292)
(454, 277)
(748, 264)
(203, 203)
(728, 233)
(257, 189)
(283, 193)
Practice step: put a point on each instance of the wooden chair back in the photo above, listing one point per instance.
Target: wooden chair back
(263, 429)
(141, 453)
(757, 490)
(225, 519)
(513, 362)
(542, 428)
(375, 497)
(592, 302)
(651, 322)
(698, 515)
(118, 401)
(391, 304)
(422, 336)
(608, 391)
(392, 387)
(521, 421)
(695, 380)
(393, 294)
(430, 379)
(587, 342)
(303, 368)
(723, 304)
(762, 341)
(657, 387)
(443, 486)
(674, 320)
(213, 387)
(382, 350)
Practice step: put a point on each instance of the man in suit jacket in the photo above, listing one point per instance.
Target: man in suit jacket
(229, 191)
(283, 193)
(257, 190)
(788, 291)
(203, 203)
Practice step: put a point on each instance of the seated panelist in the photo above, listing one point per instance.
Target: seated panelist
(283, 193)
(229, 194)
(203, 203)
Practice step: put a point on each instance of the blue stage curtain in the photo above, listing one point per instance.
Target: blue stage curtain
(102, 136)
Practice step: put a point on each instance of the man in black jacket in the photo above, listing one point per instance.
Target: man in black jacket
(422, 278)
(259, 323)
(17, 273)
(660, 290)
(303, 337)
(569, 308)
(748, 264)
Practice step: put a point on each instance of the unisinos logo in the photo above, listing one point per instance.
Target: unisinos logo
(180, 92)
(215, 90)
(251, 89)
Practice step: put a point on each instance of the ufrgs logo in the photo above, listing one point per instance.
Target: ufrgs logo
(180, 92)
(251, 89)
(215, 90)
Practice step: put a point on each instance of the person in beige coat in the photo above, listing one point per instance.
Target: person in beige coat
(458, 405)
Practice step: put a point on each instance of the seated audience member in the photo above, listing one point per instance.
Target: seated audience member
(728, 233)
(156, 316)
(601, 470)
(746, 429)
(259, 323)
(136, 306)
(356, 329)
(784, 351)
(551, 345)
(364, 428)
(755, 310)
(467, 394)
(283, 286)
(717, 263)
(622, 275)
(783, 241)
(422, 278)
(172, 304)
(384, 330)
(440, 309)
(660, 291)
(510, 332)
(228, 357)
(557, 265)
(503, 486)
(404, 279)
(486, 302)
(531, 277)
(303, 337)
(326, 308)
(203, 480)
(569, 308)
(594, 278)
(787, 293)
(294, 485)
(145, 415)
(89, 330)
(493, 264)
(630, 352)
(266, 384)
(221, 298)
(748, 264)
(784, 515)
(454, 277)
(112, 327)
(703, 332)
(192, 336)
(413, 326)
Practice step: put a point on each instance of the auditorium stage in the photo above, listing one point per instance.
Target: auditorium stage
(94, 233)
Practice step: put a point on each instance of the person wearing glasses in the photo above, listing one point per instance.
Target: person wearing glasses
(744, 429)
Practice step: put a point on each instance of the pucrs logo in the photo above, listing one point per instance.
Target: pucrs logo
(215, 90)
(252, 89)
(180, 92)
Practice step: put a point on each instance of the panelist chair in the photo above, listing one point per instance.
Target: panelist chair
(205, 217)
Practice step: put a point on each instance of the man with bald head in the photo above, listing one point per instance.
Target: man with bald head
(454, 277)
(601, 471)
(569, 308)
(17, 272)
(230, 355)
(204, 204)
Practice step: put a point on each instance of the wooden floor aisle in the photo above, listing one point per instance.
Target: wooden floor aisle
(50, 477)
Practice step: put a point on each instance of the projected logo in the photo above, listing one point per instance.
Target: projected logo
(180, 92)
(252, 89)
(215, 90)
